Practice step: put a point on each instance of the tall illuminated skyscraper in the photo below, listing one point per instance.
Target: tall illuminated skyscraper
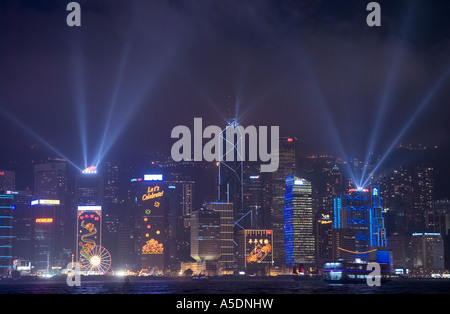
(6, 235)
(360, 210)
(227, 261)
(352, 211)
(298, 222)
(151, 206)
(427, 252)
(47, 242)
(89, 209)
(287, 166)
(50, 183)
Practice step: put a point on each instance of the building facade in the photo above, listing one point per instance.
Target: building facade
(298, 222)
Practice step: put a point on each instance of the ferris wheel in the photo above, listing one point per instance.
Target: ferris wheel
(97, 261)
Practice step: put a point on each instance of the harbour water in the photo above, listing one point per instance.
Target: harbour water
(224, 286)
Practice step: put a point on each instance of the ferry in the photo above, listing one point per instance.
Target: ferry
(352, 272)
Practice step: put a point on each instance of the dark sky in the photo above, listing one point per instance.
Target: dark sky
(139, 68)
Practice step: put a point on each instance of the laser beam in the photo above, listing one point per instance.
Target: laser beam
(389, 85)
(422, 105)
(36, 136)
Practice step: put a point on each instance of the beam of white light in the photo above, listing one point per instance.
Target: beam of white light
(134, 99)
(427, 99)
(323, 106)
(389, 85)
(80, 98)
(36, 136)
(113, 103)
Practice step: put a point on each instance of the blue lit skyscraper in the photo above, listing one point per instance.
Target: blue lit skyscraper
(377, 229)
(287, 166)
(6, 236)
(352, 211)
(360, 210)
(298, 222)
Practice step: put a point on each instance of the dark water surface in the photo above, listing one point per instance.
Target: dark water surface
(221, 286)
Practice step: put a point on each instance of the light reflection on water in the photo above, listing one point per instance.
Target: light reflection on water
(241, 286)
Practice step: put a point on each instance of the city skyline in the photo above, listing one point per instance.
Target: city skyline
(358, 116)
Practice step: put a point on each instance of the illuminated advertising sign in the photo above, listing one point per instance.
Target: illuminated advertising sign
(45, 202)
(89, 223)
(153, 177)
(325, 219)
(258, 247)
(153, 192)
(90, 208)
(153, 211)
(44, 220)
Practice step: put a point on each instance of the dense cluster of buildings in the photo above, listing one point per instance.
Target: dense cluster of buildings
(163, 217)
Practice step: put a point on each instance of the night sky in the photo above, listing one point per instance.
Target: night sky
(139, 68)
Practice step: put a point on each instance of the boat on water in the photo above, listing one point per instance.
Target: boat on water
(354, 272)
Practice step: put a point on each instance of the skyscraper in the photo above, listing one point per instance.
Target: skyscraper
(205, 235)
(324, 239)
(352, 211)
(180, 204)
(428, 252)
(50, 183)
(23, 224)
(253, 201)
(227, 261)
(6, 220)
(287, 166)
(47, 235)
(298, 222)
(152, 205)
(89, 208)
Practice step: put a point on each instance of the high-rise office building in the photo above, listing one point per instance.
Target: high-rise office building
(408, 194)
(227, 261)
(253, 201)
(287, 166)
(151, 206)
(205, 235)
(6, 235)
(298, 222)
(180, 205)
(428, 252)
(352, 211)
(231, 168)
(47, 235)
(89, 201)
(23, 224)
(324, 239)
(51, 183)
